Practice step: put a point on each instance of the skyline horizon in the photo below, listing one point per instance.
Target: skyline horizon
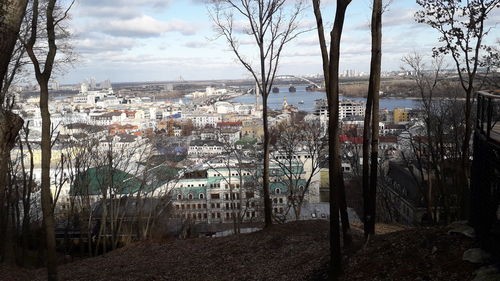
(157, 40)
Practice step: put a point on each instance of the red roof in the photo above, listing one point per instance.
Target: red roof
(392, 139)
(355, 140)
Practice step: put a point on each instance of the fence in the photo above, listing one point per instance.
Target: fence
(485, 177)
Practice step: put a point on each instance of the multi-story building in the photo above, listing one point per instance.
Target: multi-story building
(347, 109)
(203, 119)
(205, 148)
(401, 115)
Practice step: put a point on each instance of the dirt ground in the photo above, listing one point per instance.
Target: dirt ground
(294, 251)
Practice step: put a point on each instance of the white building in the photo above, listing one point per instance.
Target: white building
(205, 148)
(203, 119)
(347, 109)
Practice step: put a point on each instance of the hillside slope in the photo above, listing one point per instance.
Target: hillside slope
(294, 251)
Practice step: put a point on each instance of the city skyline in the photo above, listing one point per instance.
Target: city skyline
(153, 40)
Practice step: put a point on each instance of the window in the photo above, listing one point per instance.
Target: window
(199, 206)
(202, 196)
(204, 206)
(278, 191)
(215, 196)
(281, 200)
(218, 205)
(179, 197)
(190, 196)
(275, 200)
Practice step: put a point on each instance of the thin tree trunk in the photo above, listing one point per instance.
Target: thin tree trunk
(48, 211)
(267, 200)
(373, 90)
(366, 162)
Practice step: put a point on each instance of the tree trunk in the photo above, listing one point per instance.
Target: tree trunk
(11, 16)
(265, 177)
(366, 162)
(374, 90)
(10, 124)
(335, 174)
(47, 202)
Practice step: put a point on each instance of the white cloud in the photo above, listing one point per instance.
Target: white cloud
(144, 26)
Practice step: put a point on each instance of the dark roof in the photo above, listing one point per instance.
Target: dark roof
(206, 142)
(392, 139)
(399, 173)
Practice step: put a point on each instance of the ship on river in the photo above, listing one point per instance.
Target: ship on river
(292, 89)
(312, 88)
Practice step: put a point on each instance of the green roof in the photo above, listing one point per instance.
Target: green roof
(284, 185)
(246, 141)
(164, 173)
(98, 180)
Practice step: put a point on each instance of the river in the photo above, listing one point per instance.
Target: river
(275, 101)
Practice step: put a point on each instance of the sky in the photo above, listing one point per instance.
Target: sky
(170, 40)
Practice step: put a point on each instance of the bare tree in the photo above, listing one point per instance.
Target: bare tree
(43, 71)
(272, 25)
(11, 16)
(427, 83)
(463, 28)
(299, 153)
(337, 188)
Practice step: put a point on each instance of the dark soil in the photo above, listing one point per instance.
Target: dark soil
(294, 251)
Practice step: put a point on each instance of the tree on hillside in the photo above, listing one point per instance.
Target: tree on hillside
(371, 124)
(271, 24)
(11, 16)
(331, 73)
(462, 28)
(299, 152)
(427, 84)
(46, 18)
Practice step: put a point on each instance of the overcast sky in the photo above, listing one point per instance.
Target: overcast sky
(160, 40)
